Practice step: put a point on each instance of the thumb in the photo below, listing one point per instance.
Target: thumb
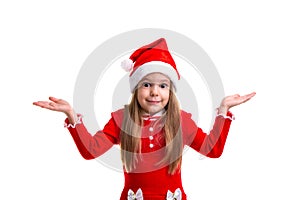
(53, 99)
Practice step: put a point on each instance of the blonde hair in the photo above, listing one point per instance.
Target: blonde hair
(131, 134)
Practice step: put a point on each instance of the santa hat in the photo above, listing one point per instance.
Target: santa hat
(154, 57)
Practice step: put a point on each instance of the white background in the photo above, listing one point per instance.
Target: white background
(254, 45)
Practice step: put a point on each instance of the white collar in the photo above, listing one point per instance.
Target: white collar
(147, 116)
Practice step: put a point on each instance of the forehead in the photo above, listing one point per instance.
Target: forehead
(156, 77)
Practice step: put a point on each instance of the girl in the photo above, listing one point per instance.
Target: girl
(151, 130)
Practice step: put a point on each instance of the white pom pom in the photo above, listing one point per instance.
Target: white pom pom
(127, 65)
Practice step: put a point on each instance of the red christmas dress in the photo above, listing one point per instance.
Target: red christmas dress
(154, 180)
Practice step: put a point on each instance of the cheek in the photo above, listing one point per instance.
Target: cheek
(140, 95)
(139, 98)
(166, 96)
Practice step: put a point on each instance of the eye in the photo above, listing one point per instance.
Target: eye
(146, 85)
(163, 85)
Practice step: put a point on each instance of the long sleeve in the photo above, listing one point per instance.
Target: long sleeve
(212, 144)
(92, 146)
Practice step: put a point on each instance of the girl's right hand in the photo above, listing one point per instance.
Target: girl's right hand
(58, 105)
(55, 104)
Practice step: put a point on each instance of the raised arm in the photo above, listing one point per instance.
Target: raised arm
(212, 144)
(90, 146)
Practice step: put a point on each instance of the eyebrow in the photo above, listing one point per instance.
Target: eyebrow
(161, 80)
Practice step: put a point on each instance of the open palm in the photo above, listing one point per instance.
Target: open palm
(54, 104)
(234, 100)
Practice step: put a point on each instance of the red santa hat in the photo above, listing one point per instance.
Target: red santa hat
(154, 57)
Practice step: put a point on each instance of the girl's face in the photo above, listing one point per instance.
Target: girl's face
(153, 92)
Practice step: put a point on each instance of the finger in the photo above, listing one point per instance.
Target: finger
(35, 103)
(53, 99)
(45, 104)
(249, 96)
(245, 100)
(40, 103)
(252, 94)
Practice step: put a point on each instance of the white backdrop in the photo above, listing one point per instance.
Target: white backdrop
(254, 45)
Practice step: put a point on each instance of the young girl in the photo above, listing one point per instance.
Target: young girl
(151, 130)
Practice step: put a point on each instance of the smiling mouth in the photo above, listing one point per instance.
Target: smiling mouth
(153, 102)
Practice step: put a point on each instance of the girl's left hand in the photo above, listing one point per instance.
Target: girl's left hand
(234, 100)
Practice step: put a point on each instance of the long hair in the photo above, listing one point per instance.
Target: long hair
(131, 134)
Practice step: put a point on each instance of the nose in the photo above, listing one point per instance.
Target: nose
(154, 90)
